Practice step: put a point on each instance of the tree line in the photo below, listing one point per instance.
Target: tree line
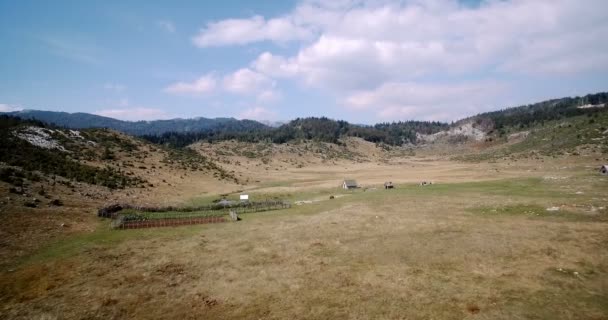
(538, 113)
(316, 129)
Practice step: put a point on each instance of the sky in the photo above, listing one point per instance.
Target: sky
(364, 61)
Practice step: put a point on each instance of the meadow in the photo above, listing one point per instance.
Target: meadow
(478, 243)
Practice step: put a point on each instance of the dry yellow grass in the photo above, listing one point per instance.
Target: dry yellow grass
(478, 244)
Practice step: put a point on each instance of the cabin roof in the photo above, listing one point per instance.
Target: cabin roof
(350, 183)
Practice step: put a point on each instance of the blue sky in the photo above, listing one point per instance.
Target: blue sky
(358, 60)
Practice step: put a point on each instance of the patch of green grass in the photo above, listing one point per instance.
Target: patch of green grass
(527, 191)
(207, 200)
(173, 214)
(529, 188)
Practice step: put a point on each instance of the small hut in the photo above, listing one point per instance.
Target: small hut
(604, 169)
(388, 185)
(349, 184)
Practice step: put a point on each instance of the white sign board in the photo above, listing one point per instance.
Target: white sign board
(244, 197)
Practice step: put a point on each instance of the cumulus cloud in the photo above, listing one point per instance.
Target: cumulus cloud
(269, 96)
(410, 100)
(244, 31)
(9, 107)
(258, 113)
(134, 114)
(202, 85)
(369, 49)
(366, 45)
(246, 81)
(275, 66)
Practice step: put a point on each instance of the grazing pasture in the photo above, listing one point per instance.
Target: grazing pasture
(483, 247)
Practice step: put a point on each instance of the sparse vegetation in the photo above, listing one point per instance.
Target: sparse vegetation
(188, 159)
(521, 228)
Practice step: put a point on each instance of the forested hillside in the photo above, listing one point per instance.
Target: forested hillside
(182, 132)
(39, 148)
(315, 129)
(537, 113)
(102, 157)
(85, 120)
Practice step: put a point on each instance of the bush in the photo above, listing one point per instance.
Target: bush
(30, 204)
(19, 153)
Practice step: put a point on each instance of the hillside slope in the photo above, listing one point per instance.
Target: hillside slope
(182, 132)
(53, 180)
(580, 135)
(99, 158)
(81, 120)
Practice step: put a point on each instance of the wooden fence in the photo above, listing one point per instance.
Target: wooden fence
(155, 223)
(110, 211)
(155, 218)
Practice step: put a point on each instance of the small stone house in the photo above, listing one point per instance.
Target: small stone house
(349, 184)
(604, 169)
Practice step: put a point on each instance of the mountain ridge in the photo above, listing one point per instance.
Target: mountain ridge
(181, 132)
(83, 120)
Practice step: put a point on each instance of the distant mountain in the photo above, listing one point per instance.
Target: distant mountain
(315, 129)
(81, 120)
(405, 132)
(182, 132)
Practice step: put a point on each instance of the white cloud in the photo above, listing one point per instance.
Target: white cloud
(274, 66)
(246, 81)
(9, 107)
(166, 25)
(409, 41)
(362, 43)
(203, 85)
(368, 50)
(134, 114)
(409, 100)
(244, 31)
(269, 96)
(258, 113)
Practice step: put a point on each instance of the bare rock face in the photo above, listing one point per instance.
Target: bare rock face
(39, 137)
(464, 130)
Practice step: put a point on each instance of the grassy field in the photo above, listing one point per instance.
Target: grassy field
(479, 248)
